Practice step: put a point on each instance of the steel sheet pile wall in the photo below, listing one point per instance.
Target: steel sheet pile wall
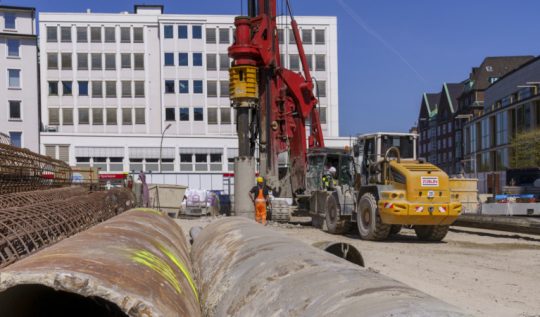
(40, 196)
(26, 229)
(135, 264)
(244, 269)
(23, 170)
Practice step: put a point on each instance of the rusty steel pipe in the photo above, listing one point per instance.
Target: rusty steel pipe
(245, 269)
(25, 230)
(136, 264)
(40, 196)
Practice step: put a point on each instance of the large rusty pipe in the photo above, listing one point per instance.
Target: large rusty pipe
(136, 264)
(245, 269)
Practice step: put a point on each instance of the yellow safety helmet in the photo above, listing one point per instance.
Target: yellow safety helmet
(260, 179)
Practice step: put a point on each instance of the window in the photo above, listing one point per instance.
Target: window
(215, 161)
(138, 35)
(198, 114)
(125, 60)
(309, 60)
(82, 61)
(183, 86)
(139, 88)
(97, 116)
(111, 116)
(96, 61)
(183, 59)
(116, 164)
(110, 35)
(184, 114)
(211, 36)
(126, 89)
(95, 34)
(169, 59)
(201, 162)
(84, 117)
(100, 163)
(294, 62)
(321, 86)
(67, 88)
(168, 31)
(170, 114)
(320, 62)
(97, 89)
(197, 59)
(14, 78)
(197, 86)
(66, 61)
(169, 86)
(54, 116)
(126, 116)
(292, 40)
(125, 35)
(182, 32)
(211, 62)
(67, 116)
(110, 61)
(281, 36)
(16, 138)
(9, 20)
(13, 48)
(139, 116)
(196, 32)
(224, 62)
(110, 89)
(212, 116)
(136, 165)
(319, 37)
(225, 115)
(53, 88)
(65, 34)
(52, 34)
(307, 37)
(139, 61)
(322, 115)
(14, 110)
(224, 88)
(52, 61)
(224, 36)
(82, 34)
(211, 88)
(186, 162)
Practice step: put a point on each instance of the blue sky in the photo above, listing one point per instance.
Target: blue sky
(390, 51)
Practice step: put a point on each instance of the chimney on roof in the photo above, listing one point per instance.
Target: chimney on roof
(88, 11)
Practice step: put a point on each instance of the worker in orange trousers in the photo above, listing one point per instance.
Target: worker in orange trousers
(260, 199)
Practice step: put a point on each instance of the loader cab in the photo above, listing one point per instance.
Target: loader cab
(319, 160)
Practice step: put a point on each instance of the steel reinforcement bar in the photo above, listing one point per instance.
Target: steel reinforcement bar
(136, 264)
(23, 170)
(24, 230)
(40, 196)
(245, 269)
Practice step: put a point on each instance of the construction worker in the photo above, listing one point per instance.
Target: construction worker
(259, 197)
(328, 178)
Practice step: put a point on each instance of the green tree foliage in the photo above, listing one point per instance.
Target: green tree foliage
(526, 150)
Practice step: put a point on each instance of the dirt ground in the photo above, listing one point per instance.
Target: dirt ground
(487, 273)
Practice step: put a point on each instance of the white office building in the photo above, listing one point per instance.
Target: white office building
(19, 101)
(112, 83)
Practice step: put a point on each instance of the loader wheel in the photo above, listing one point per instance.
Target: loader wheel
(317, 221)
(431, 233)
(370, 226)
(395, 229)
(334, 222)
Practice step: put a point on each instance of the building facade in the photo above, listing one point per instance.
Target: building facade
(114, 84)
(19, 101)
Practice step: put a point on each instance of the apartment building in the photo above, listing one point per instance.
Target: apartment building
(19, 101)
(116, 85)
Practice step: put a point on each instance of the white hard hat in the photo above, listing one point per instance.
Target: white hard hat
(332, 170)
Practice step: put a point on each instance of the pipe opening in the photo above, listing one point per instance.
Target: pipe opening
(34, 300)
(342, 250)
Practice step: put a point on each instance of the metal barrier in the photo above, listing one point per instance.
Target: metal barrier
(23, 170)
(39, 196)
(136, 264)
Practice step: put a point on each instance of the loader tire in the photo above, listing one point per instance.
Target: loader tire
(317, 221)
(334, 222)
(370, 226)
(431, 233)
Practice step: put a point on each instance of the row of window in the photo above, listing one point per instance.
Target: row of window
(183, 59)
(100, 89)
(182, 31)
(183, 87)
(10, 19)
(306, 35)
(96, 116)
(99, 61)
(98, 34)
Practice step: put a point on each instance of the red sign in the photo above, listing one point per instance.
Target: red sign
(113, 176)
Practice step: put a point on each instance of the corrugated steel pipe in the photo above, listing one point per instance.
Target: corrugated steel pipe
(135, 264)
(245, 269)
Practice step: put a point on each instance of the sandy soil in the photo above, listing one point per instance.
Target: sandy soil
(487, 273)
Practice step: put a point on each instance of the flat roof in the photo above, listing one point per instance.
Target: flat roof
(17, 8)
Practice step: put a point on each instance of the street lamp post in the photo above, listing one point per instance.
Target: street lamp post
(161, 146)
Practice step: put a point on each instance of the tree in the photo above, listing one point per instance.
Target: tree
(526, 150)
